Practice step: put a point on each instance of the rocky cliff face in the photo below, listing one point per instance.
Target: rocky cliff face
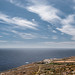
(65, 66)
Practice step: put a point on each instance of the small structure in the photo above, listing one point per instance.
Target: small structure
(46, 61)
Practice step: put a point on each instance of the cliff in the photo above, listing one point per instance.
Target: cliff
(64, 66)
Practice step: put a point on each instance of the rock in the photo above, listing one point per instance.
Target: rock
(64, 73)
(43, 74)
(2, 74)
(73, 72)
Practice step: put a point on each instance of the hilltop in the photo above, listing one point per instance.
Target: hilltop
(62, 66)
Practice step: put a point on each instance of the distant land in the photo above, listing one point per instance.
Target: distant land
(62, 66)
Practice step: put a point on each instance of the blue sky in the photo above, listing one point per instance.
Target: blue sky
(37, 23)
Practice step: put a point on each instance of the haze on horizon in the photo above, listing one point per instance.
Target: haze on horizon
(37, 23)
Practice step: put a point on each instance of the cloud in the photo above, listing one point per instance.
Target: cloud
(68, 44)
(46, 12)
(24, 35)
(1, 36)
(73, 0)
(72, 43)
(44, 37)
(3, 41)
(51, 14)
(54, 31)
(17, 21)
(68, 26)
(50, 28)
(17, 3)
(12, 1)
(74, 4)
(4, 33)
(29, 35)
(54, 37)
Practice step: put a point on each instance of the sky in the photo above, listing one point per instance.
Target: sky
(37, 23)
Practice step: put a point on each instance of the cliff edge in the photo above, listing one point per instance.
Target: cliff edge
(63, 66)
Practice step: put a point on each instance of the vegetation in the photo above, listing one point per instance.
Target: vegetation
(53, 68)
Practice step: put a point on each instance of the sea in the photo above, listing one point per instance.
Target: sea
(13, 57)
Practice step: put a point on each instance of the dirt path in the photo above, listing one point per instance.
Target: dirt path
(38, 70)
(64, 61)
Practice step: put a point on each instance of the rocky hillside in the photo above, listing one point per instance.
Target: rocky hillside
(64, 66)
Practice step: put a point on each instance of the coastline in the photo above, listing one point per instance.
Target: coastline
(45, 67)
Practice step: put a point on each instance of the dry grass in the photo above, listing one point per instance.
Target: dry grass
(55, 68)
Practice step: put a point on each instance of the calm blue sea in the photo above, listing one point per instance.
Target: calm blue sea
(11, 58)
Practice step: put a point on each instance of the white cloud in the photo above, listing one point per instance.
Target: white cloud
(60, 44)
(12, 1)
(62, 33)
(73, 6)
(17, 3)
(29, 35)
(44, 37)
(3, 41)
(69, 43)
(17, 21)
(5, 33)
(46, 12)
(24, 35)
(51, 14)
(54, 37)
(68, 26)
(73, 0)
(49, 27)
(54, 31)
(17, 42)
(33, 20)
(1, 36)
